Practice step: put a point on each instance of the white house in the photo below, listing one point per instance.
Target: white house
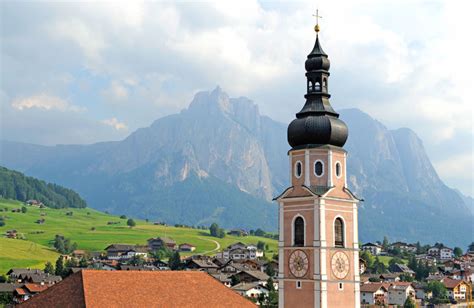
(373, 294)
(446, 253)
(250, 289)
(398, 294)
(240, 251)
(374, 249)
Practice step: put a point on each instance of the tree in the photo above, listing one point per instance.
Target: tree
(269, 270)
(368, 258)
(214, 229)
(440, 294)
(83, 262)
(137, 260)
(259, 232)
(409, 303)
(412, 264)
(131, 223)
(385, 243)
(261, 245)
(234, 279)
(123, 217)
(175, 261)
(379, 267)
(24, 209)
(221, 233)
(3, 279)
(2, 222)
(406, 277)
(49, 268)
(457, 252)
(59, 267)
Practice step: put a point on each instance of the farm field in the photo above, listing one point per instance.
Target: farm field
(89, 229)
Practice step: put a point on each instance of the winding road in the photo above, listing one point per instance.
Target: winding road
(218, 246)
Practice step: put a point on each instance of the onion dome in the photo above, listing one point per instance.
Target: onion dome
(317, 123)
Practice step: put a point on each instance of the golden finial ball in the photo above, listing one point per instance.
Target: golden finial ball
(316, 28)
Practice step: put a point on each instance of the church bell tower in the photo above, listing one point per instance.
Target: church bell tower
(318, 238)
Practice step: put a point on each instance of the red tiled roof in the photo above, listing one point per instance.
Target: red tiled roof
(451, 283)
(93, 288)
(35, 288)
(372, 287)
(20, 291)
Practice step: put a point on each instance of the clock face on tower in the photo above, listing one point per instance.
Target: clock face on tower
(340, 265)
(298, 263)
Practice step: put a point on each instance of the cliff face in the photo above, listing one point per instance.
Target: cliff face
(220, 160)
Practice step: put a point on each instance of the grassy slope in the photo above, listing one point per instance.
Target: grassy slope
(18, 253)
(78, 228)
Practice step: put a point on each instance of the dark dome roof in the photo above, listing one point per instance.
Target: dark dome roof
(317, 123)
(317, 130)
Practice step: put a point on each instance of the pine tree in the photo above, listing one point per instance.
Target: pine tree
(59, 267)
(175, 261)
(49, 268)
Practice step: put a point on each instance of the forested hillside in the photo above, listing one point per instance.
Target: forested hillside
(15, 185)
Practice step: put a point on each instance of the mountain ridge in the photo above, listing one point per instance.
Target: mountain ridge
(223, 141)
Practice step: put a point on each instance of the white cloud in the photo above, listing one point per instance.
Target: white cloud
(116, 124)
(45, 102)
(117, 91)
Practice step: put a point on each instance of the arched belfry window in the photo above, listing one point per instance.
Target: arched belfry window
(339, 232)
(298, 231)
(310, 86)
(325, 84)
(317, 86)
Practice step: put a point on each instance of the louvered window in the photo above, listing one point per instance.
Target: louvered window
(298, 232)
(339, 233)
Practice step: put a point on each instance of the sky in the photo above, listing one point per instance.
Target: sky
(84, 72)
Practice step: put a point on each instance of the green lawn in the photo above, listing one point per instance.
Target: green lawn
(20, 253)
(78, 228)
(386, 260)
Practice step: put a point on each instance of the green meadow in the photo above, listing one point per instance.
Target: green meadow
(89, 229)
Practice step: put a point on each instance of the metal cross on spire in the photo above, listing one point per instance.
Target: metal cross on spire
(316, 28)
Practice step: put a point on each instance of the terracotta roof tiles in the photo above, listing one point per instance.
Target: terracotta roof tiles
(92, 288)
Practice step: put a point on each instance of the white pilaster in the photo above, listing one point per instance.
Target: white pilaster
(306, 168)
(281, 252)
(323, 267)
(345, 169)
(330, 167)
(290, 157)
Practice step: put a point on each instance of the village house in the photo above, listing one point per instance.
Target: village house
(26, 275)
(149, 289)
(457, 289)
(441, 253)
(426, 259)
(158, 243)
(251, 276)
(185, 247)
(374, 249)
(240, 251)
(403, 247)
(27, 291)
(201, 263)
(238, 232)
(467, 275)
(373, 294)
(11, 234)
(420, 291)
(402, 269)
(34, 203)
(223, 278)
(398, 293)
(125, 252)
(250, 289)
